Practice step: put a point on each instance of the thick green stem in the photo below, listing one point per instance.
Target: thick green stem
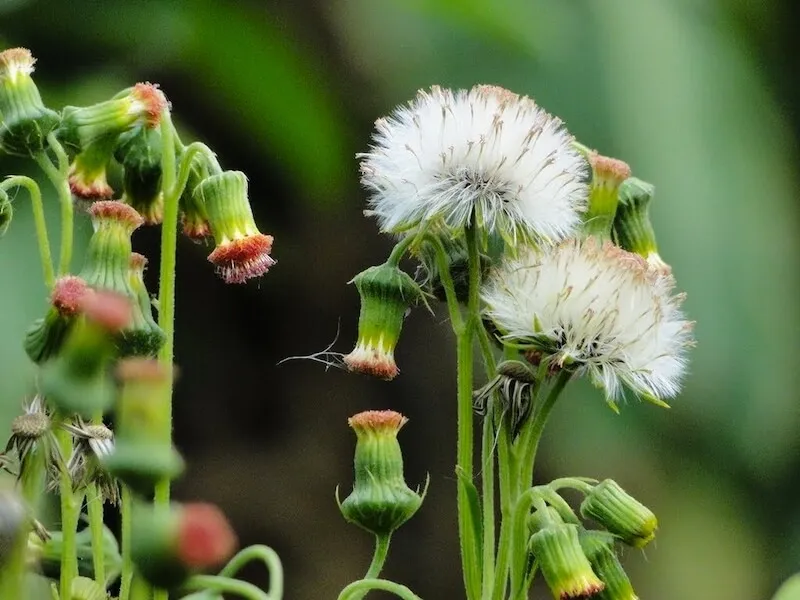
(506, 466)
(58, 177)
(39, 222)
(225, 584)
(140, 589)
(359, 588)
(266, 555)
(94, 506)
(400, 249)
(379, 556)
(488, 445)
(126, 576)
(70, 514)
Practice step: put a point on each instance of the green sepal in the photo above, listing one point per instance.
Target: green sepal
(46, 336)
(565, 568)
(139, 152)
(620, 513)
(599, 549)
(633, 230)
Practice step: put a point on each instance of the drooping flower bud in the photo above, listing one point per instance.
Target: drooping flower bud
(242, 252)
(514, 384)
(87, 174)
(169, 545)
(380, 501)
(607, 175)
(47, 334)
(620, 513)
(633, 230)
(566, 569)
(77, 381)
(143, 454)
(24, 120)
(194, 218)
(386, 294)
(144, 337)
(139, 153)
(599, 549)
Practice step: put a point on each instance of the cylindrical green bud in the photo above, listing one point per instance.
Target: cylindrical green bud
(194, 219)
(169, 545)
(143, 453)
(46, 335)
(144, 337)
(386, 293)
(24, 120)
(77, 381)
(242, 251)
(620, 513)
(599, 549)
(380, 501)
(543, 518)
(607, 175)
(87, 173)
(633, 230)
(566, 569)
(139, 153)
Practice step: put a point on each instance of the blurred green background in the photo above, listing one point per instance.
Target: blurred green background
(701, 98)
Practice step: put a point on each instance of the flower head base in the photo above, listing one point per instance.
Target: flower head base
(514, 383)
(87, 173)
(194, 219)
(607, 176)
(386, 295)
(241, 252)
(633, 230)
(94, 442)
(139, 153)
(566, 569)
(598, 309)
(32, 435)
(46, 336)
(24, 120)
(143, 454)
(168, 546)
(620, 513)
(380, 501)
(485, 157)
(144, 337)
(599, 549)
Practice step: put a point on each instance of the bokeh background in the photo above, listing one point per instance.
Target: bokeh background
(701, 98)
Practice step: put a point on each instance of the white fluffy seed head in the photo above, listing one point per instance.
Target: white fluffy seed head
(598, 308)
(485, 153)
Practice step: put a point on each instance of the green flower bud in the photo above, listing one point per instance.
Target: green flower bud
(386, 294)
(633, 230)
(194, 218)
(169, 545)
(142, 105)
(6, 213)
(380, 501)
(143, 454)
(77, 381)
(242, 252)
(607, 175)
(46, 336)
(13, 523)
(87, 173)
(144, 337)
(599, 549)
(620, 513)
(564, 566)
(139, 153)
(24, 120)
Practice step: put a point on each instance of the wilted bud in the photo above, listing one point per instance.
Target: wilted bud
(607, 175)
(633, 230)
(514, 384)
(143, 454)
(380, 501)
(566, 569)
(599, 549)
(386, 294)
(77, 381)
(139, 153)
(46, 335)
(169, 545)
(242, 252)
(13, 523)
(24, 120)
(93, 443)
(620, 513)
(87, 174)
(144, 337)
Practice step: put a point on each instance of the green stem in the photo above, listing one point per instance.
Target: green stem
(519, 540)
(359, 588)
(140, 589)
(266, 555)
(225, 584)
(58, 177)
(94, 506)
(379, 556)
(125, 534)
(70, 514)
(400, 249)
(507, 469)
(39, 222)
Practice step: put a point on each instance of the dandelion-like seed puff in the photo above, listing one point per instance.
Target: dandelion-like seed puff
(486, 157)
(597, 308)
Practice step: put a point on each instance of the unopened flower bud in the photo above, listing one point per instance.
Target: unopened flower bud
(607, 175)
(139, 153)
(142, 105)
(144, 337)
(620, 513)
(143, 453)
(169, 545)
(194, 218)
(633, 230)
(386, 294)
(380, 501)
(87, 174)
(566, 569)
(46, 336)
(242, 252)
(76, 381)
(107, 262)
(599, 549)
(24, 120)
(13, 523)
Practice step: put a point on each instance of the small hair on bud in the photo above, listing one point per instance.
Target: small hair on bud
(109, 310)
(154, 102)
(68, 294)
(205, 537)
(377, 420)
(116, 211)
(138, 368)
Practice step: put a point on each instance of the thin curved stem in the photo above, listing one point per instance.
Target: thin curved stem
(225, 584)
(400, 249)
(187, 158)
(359, 588)
(58, 177)
(266, 555)
(379, 556)
(42, 238)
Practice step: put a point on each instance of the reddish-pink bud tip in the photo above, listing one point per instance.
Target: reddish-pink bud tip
(109, 310)
(380, 420)
(609, 168)
(205, 538)
(372, 362)
(68, 294)
(196, 230)
(94, 190)
(113, 210)
(154, 100)
(138, 261)
(242, 259)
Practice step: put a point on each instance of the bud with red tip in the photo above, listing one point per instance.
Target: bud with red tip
(46, 336)
(242, 252)
(144, 337)
(620, 513)
(599, 549)
(194, 218)
(607, 175)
